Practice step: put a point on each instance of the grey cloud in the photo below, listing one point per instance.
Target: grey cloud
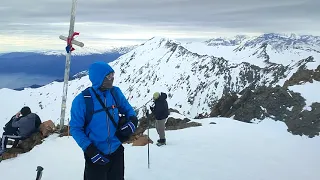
(185, 16)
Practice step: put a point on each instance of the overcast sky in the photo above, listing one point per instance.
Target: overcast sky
(37, 24)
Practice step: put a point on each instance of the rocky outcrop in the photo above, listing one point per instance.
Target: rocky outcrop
(65, 131)
(223, 106)
(47, 128)
(171, 124)
(29, 143)
(277, 103)
(306, 122)
(175, 124)
(303, 75)
(141, 140)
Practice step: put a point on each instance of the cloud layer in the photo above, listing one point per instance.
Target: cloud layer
(117, 22)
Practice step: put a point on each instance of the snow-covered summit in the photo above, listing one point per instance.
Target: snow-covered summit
(278, 41)
(233, 41)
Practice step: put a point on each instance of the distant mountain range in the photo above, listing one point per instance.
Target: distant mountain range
(44, 67)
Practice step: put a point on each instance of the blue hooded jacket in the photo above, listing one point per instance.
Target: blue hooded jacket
(100, 131)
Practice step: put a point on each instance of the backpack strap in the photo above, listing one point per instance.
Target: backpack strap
(104, 108)
(122, 117)
(89, 106)
(114, 95)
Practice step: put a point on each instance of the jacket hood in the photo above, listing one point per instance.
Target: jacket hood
(163, 96)
(97, 73)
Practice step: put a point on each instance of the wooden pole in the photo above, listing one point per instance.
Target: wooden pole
(69, 49)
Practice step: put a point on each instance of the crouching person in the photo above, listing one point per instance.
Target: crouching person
(21, 126)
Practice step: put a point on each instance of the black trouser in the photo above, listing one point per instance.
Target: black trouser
(114, 170)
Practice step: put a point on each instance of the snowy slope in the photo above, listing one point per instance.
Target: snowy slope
(277, 48)
(309, 91)
(193, 82)
(227, 150)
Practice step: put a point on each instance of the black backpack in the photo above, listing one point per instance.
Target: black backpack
(90, 109)
(8, 129)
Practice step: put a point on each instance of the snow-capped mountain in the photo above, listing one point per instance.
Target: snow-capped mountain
(234, 41)
(193, 80)
(280, 42)
(260, 50)
(87, 50)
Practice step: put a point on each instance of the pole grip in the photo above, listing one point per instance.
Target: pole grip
(39, 172)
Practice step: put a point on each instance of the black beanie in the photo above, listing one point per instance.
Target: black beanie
(25, 111)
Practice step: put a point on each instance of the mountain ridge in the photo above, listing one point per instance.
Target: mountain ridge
(193, 81)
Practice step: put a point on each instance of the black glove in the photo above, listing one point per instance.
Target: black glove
(127, 129)
(134, 120)
(96, 157)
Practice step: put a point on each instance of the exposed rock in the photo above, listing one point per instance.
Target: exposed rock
(175, 124)
(306, 121)
(171, 124)
(277, 103)
(212, 123)
(11, 153)
(142, 141)
(224, 105)
(24, 146)
(202, 116)
(32, 141)
(143, 124)
(47, 128)
(64, 132)
(303, 75)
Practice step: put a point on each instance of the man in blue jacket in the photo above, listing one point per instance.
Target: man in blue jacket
(100, 139)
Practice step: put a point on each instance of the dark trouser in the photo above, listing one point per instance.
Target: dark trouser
(4, 140)
(114, 170)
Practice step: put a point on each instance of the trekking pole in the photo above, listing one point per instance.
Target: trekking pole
(147, 115)
(68, 127)
(39, 172)
(144, 104)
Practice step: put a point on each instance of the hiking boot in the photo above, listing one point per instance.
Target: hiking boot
(161, 142)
